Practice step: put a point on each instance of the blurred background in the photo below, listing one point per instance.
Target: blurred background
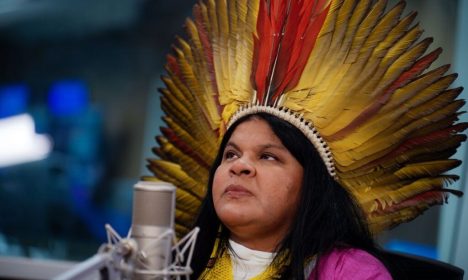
(79, 105)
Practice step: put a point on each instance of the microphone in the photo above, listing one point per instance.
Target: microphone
(150, 250)
(152, 219)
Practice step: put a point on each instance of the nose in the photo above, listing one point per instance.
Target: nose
(242, 167)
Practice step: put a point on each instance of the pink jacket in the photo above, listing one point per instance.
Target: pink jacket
(343, 264)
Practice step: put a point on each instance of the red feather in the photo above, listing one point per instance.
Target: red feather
(266, 44)
(288, 50)
(308, 30)
(287, 32)
(173, 66)
(430, 198)
(434, 136)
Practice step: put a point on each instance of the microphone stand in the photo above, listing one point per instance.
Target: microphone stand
(117, 259)
(96, 267)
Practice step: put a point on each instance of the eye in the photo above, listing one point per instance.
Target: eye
(229, 154)
(268, 156)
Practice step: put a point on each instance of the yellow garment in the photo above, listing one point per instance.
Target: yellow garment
(220, 266)
(222, 270)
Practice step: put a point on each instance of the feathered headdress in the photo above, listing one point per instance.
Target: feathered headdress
(351, 75)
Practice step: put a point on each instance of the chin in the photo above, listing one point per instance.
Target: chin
(233, 218)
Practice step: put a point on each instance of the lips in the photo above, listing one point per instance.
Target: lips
(237, 191)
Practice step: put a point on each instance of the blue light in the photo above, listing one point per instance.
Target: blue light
(412, 248)
(13, 99)
(68, 97)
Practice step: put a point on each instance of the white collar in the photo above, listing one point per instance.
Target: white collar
(247, 263)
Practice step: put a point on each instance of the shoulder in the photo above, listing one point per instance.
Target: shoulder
(350, 263)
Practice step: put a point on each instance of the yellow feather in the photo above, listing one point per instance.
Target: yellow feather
(394, 35)
(342, 19)
(252, 6)
(206, 19)
(204, 88)
(222, 16)
(380, 222)
(404, 61)
(182, 87)
(433, 110)
(187, 202)
(206, 151)
(434, 126)
(362, 152)
(184, 219)
(432, 91)
(188, 164)
(383, 174)
(184, 55)
(169, 109)
(365, 91)
(241, 13)
(431, 168)
(366, 27)
(420, 87)
(388, 123)
(176, 104)
(377, 34)
(417, 187)
(402, 44)
(365, 153)
(362, 56)
(333, 52)
(181, 230)
(231, 39)
(237, 86)
(175, 95)
(213, 19)
(220, 48)
(178, 177)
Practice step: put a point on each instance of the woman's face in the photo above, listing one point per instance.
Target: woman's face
(256, 187)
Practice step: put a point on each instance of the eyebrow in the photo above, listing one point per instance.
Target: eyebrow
(264, 146)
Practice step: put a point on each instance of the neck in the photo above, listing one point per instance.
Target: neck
(265, 244)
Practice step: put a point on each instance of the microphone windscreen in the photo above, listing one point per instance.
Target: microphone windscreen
(153, 226)
(153, 204)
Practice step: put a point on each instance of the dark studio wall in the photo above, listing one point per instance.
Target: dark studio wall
(117, 49)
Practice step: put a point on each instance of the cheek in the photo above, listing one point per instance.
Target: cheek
(289, 200)
(284, 183)
(296, 184)
(280, 193)
(290, 192)
(296, 177)
(217, 184)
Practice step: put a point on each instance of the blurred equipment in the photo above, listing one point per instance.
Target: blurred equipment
(19, 141)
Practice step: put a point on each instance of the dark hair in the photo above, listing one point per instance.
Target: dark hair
(327, 216)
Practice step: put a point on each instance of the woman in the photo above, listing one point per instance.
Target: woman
(339, 89)
(270, 192)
